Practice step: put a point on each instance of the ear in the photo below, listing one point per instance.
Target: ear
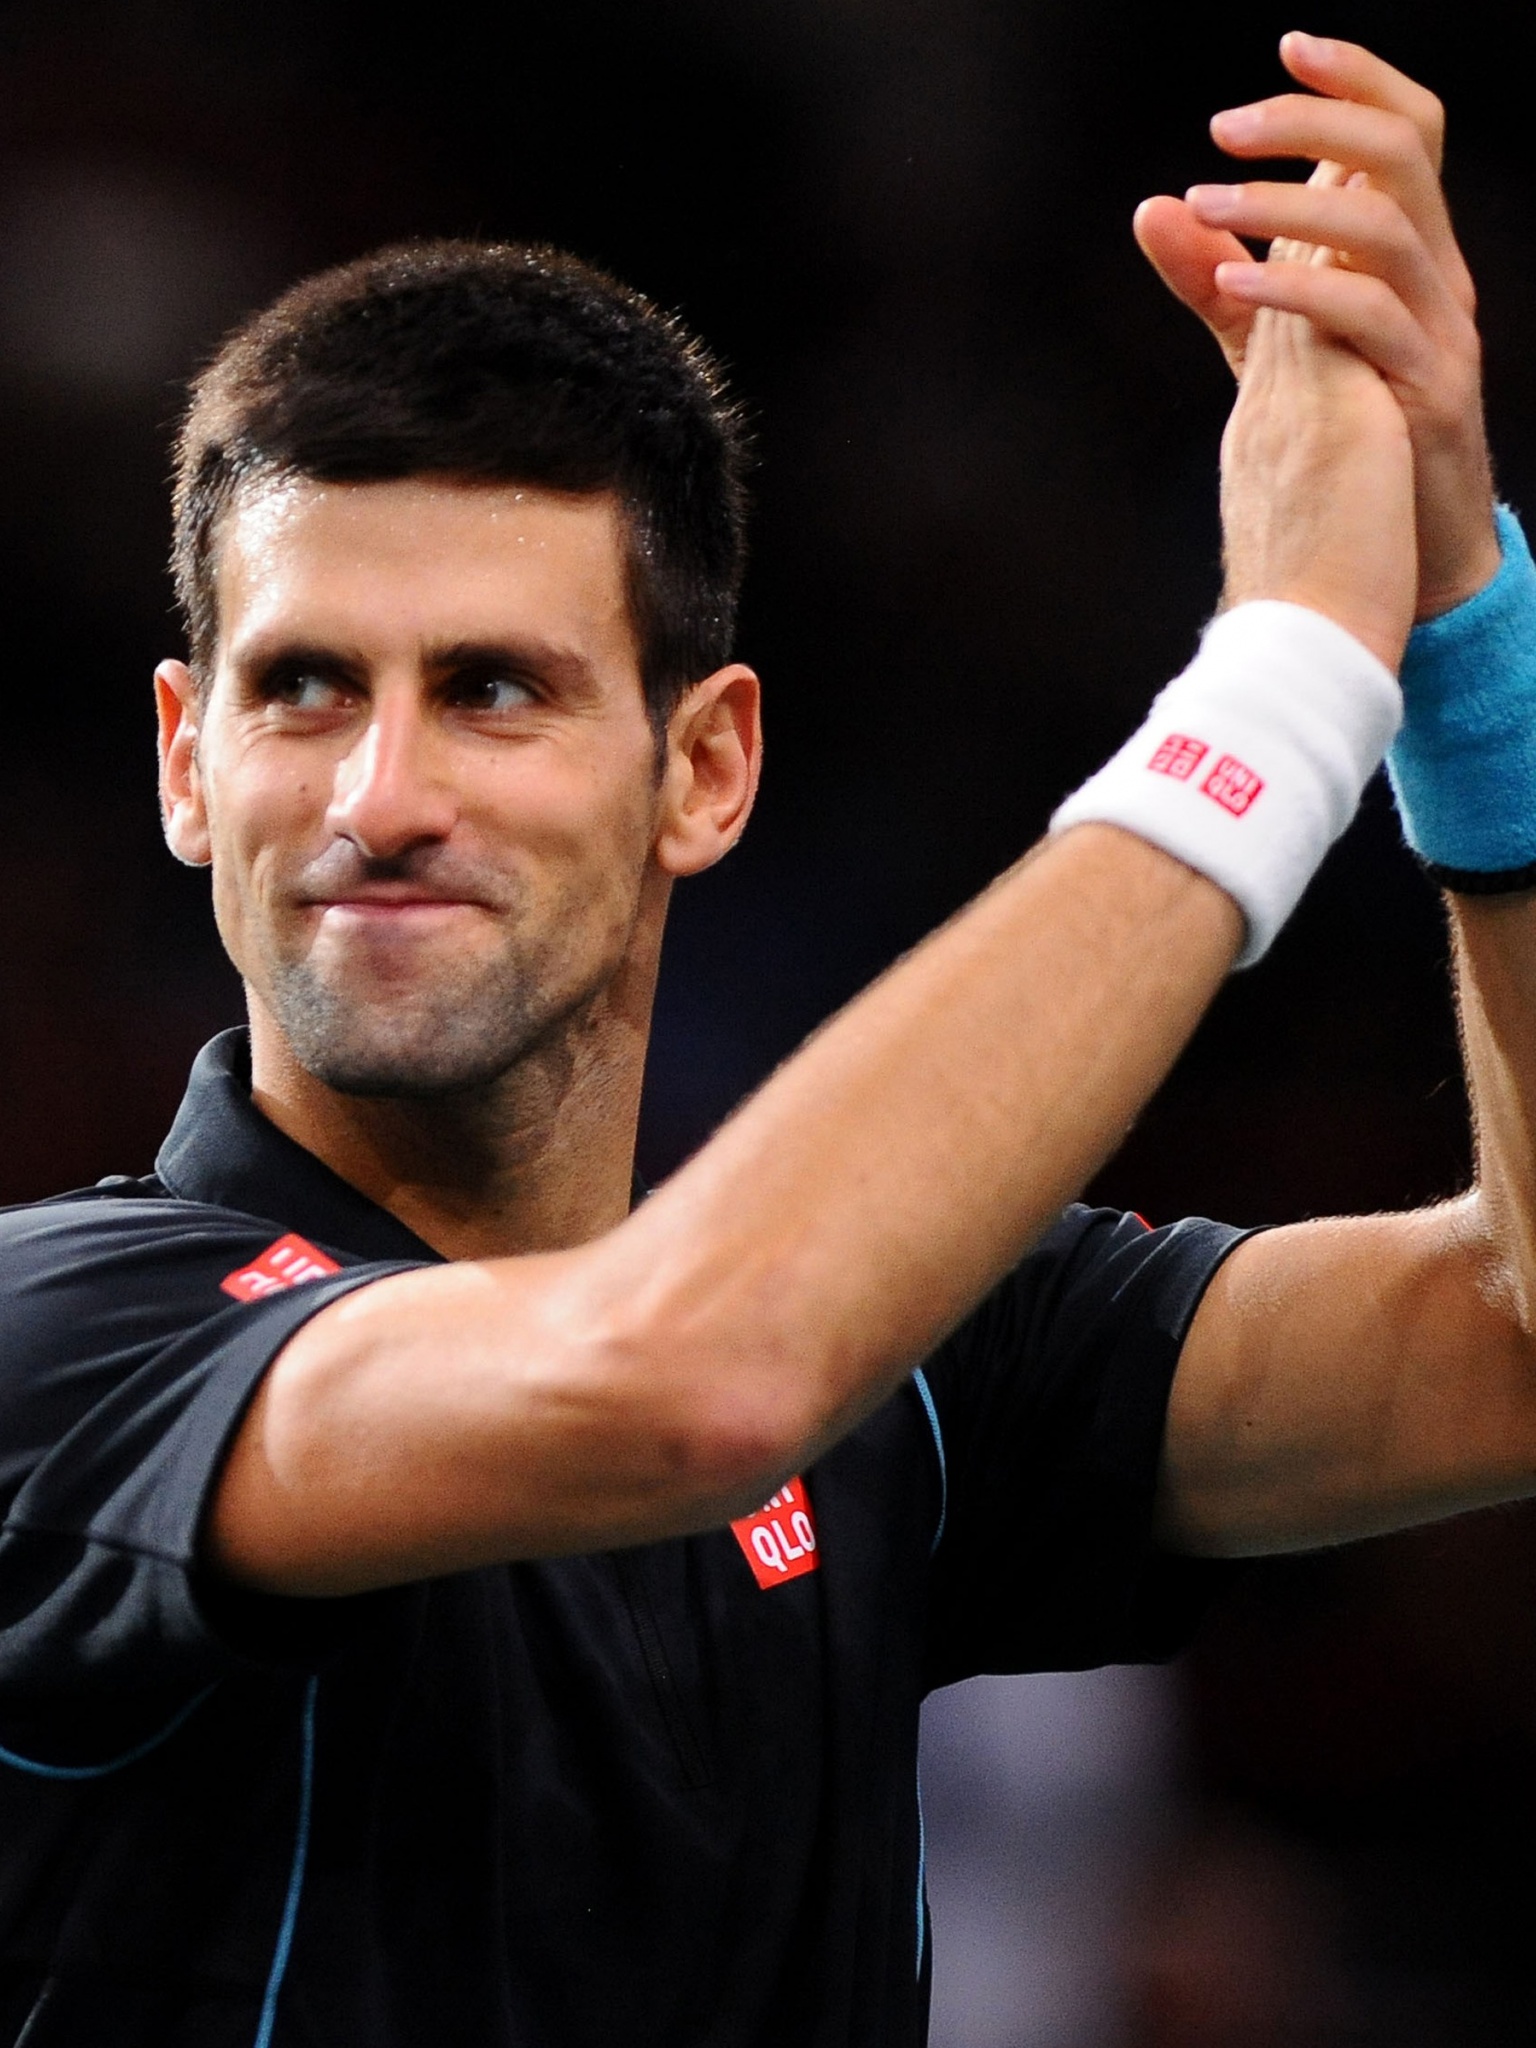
(714, 754)
(179, 709)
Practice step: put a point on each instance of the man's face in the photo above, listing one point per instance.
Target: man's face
(424, 772)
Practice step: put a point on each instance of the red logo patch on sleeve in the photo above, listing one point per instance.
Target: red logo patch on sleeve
(779, 1541)
(1178, 756)
(288, 1263)
(1232, 785)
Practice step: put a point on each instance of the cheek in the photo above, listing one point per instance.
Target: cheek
(616, 842)
(261, 824)
(585, 814)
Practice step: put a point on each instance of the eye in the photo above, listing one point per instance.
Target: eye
(299, 687)
(489, 690)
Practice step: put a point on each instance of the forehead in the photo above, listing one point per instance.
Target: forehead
(424, 561)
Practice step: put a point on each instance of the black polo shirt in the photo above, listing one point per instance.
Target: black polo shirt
(665, 1795)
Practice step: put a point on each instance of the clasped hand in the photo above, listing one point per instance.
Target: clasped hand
(1356, 476)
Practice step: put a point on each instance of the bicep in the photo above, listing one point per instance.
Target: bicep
(1346, 1377)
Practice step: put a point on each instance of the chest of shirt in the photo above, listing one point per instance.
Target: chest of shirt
(662, 1770)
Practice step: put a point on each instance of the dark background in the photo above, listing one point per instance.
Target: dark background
(986, 531)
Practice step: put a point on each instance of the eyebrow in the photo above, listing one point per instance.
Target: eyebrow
(563, 667)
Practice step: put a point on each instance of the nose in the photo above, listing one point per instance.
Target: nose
(392, 791)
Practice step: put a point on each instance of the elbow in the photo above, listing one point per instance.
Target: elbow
(718, 1425)
(740, 1448)
(725, 1444)
(1499, 1239)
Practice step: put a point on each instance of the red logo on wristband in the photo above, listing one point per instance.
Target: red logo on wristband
(1233, 786)
(779, 1541)
(1178, 756)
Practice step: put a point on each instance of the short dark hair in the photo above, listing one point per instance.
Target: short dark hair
(483, 362)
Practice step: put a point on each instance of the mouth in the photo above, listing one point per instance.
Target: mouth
(390, 911)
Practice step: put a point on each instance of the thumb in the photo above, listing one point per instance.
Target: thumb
(1185, 252)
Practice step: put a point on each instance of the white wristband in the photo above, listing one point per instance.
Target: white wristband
(1251, 762)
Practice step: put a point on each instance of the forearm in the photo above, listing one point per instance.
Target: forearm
(1494, 940)
(1464, 773)
(775, 1289)
(908, 1155)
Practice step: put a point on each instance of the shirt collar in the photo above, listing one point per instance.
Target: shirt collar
(222, 1150)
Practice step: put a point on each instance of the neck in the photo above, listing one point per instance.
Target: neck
(539, 1159)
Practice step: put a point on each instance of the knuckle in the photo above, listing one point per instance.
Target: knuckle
(1383, 217)
(1399, 235)
(1429, 115)
(1383, 301)
(1403, 139)
(1466, 346)
(1468, 385)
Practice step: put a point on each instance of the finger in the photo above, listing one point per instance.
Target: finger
(1361, 311)
(1384, 144)
(1364, 226)
(1344, 71)
(1184, 253)
(1285, 248)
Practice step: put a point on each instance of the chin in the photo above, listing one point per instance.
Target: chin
(396, 1057)
(442, 1062)
(384, 1081)
(459, 1039)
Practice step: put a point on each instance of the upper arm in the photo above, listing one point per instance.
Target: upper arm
(1346, 1377)
(472, 1414)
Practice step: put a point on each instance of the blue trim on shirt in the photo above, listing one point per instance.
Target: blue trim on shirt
(290, 1917)
(922, 1877)
(930, 1409)
(76, 1773)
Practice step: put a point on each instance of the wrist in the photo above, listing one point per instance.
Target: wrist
(1379, 628)
(1470, 565)
(1463, 768)
(1251, 762)
(1459, 547)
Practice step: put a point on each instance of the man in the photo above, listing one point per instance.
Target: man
(376, 1662)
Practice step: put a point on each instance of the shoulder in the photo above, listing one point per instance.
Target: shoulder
(1050, 1405)
(128, 1291)
(123, 1241)
(1093, 1318)
(1098, 1266)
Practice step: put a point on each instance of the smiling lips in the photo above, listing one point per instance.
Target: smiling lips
(390, 910)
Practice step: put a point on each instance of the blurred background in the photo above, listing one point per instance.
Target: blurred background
(986, 531)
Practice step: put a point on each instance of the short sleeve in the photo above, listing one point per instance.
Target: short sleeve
(125, 1369)
(1049, 1406)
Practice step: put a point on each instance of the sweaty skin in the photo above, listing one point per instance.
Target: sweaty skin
(631, 1382)
(426, 781)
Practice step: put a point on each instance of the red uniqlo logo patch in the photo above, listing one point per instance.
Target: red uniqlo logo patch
(1178, 756)
(288, 1263)
(1232, 785)
(779, 1541)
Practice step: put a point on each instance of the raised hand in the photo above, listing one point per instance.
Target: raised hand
(1365, 252)
(1317, 485)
